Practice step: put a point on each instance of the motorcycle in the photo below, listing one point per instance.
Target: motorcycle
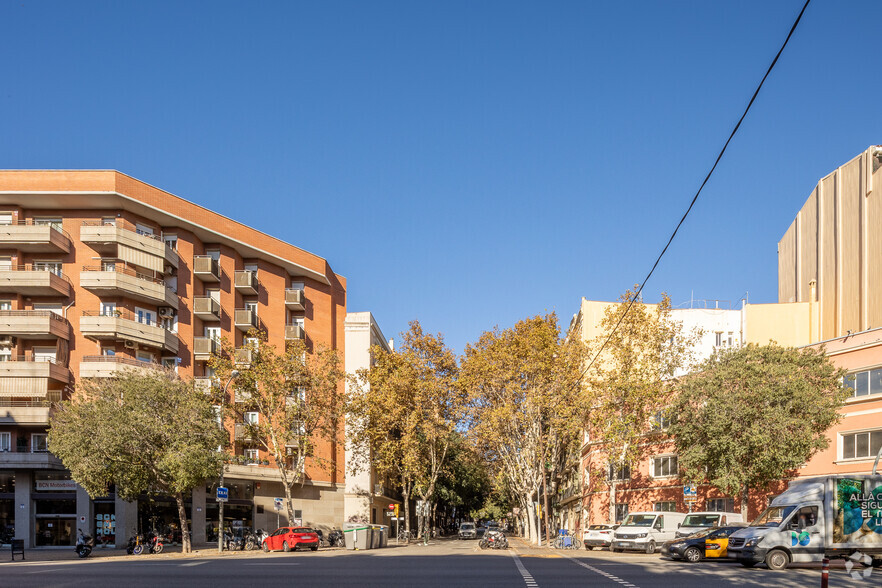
(494, 539)
(154, 543)
(335, 538)
(234, 542)
(84, 544)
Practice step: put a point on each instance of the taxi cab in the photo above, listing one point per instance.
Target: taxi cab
(717, 541)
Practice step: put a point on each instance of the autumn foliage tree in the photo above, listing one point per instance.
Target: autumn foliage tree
(629, 380)
(144, 432)
(297, 396)
(751, 416)
(526, 403)
(403, 411)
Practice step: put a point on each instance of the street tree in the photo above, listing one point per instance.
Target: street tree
(526, 404)
(751, 416)
(144, 432)
(297, 397)
(403, 411)
(630, 382)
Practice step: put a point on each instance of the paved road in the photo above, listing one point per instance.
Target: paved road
(444, 563)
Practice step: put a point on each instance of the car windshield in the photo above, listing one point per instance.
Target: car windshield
(725, 532)
(636, 520)
(773, 516)
(598, 528)
(701, 520)
(467, 526)
(699, 534)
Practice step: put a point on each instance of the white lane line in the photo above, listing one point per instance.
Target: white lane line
(528, 578)
(193, 563)
(607, 575)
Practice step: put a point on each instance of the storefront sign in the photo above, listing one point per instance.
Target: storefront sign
(56, 486)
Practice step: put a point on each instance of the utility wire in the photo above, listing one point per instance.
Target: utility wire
(700, 188)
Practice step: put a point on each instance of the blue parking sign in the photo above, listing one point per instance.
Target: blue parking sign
(222, 494)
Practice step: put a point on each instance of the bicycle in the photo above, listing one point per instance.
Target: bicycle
(405, 535)
(565, 540)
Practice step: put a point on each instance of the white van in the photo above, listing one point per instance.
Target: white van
(645, 531)
(699, 521)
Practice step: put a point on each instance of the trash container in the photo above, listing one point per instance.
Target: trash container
(375, 537)
(382, 533)
(357, 538)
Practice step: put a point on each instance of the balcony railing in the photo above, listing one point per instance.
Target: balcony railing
(129, 282)
(35, 237)
(204, 348)
(38, 371)
(206, 308)
(243, 355)
(245, 319)
(33, 324)
(206, 268)
(106, 235)
(107, 366)
(295, 299)
(33, 281)
(294, 332)
(123, 324)
(243, 432)
(246, 281)
(25, 412)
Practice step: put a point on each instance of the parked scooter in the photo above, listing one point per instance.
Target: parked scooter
(335, 538)
(154, 543)
(494, 539)
(84, 544)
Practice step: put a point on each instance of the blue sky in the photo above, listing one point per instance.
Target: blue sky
(467, 164)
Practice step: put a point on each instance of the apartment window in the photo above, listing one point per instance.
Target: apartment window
(721, 505)
(252, 456)
(666, 506)
(108, 221)
(171, 241)
(213, 253)
(170, 363)
(108, 351)
(50, 306)
(864, 383)
(48, 266)
(251, 418)
(145, 316)
(5, 263)
(218, 414)
(143, 229)
(38, 443)
(213, 293)
(44, 353)
(144, 356)
(861, 445)
(213, 333)
(664, 466)
(250, 267)
(5, 442)
(621, 473)
(108, 265)
(5, 218)
(250, 342)
(662, 420)
(108, 308)
(621, 512)
(5, 304)
(52, 221)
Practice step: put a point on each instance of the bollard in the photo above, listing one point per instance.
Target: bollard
(825, 572)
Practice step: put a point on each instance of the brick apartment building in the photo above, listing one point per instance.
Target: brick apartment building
(100, 272)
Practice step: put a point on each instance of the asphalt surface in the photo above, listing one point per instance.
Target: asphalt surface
(443, 563)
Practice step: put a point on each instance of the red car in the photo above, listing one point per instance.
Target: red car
(291, 538)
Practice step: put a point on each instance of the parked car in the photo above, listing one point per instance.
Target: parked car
(598, 536)
(644, 531)
(717, 542)
(291, 539)
(690, 548)
(468, 531)
(698, 521)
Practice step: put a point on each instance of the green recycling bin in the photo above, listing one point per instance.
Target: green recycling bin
(357, 537)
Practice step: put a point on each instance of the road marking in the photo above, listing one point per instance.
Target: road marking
(528, 578)
(607, 575)
(193, 563)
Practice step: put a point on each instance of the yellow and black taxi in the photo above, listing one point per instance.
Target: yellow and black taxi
(696, 547)
(716, 543)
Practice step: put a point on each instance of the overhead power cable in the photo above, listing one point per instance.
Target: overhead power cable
(700, 188)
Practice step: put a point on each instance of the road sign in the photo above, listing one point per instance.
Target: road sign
(391, 507)
(278, 504)
(396, 510)
(690, 493)
(222, 494)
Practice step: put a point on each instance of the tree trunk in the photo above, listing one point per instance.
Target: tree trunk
(406, 496)
(532, 517)
(745, 502)
(612, 502)
(185, 528)
(545, 510)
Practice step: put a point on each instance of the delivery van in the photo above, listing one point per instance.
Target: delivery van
(828, 516)
(645, 531)
(699, 521)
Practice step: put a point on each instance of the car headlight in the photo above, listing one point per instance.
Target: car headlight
(753, 542)
(641, 535)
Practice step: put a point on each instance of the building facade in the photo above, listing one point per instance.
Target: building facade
(100, 272)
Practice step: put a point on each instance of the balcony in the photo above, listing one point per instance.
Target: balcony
(243, 356)
(124, 281)
(295, 299)
(294, 333)
(33, 324)
(20, 460)
(34, 238)
(243, 432)
(206, 269)
(245, 319)
(27, 281)
(123, 326)
(206, 308)
(24, 412)
(25, 375)
(204, 348)
(108, 237)
(246, 282)
(111, 366)
(202, 385)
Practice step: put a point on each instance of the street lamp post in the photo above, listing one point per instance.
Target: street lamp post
(220, 505)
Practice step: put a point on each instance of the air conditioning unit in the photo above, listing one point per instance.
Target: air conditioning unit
(166, 312)
(130, 344)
